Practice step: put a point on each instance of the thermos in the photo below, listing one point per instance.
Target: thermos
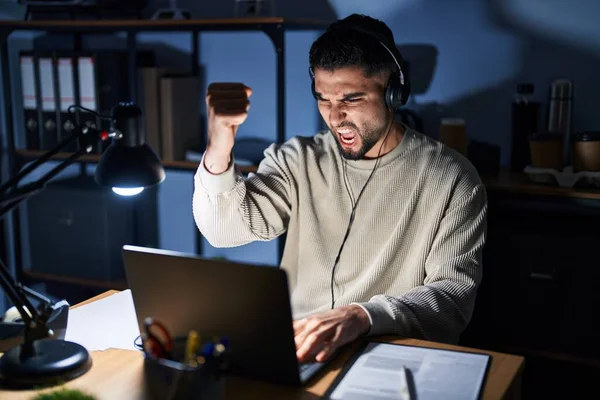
(525, 120)
(559, 114)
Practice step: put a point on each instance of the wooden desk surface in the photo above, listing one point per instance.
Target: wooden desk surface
(118, 374)
(519, 183)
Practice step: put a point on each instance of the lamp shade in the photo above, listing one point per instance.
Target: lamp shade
(122, 166)
(128, 162)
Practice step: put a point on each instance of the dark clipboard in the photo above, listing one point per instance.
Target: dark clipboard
(362, 347)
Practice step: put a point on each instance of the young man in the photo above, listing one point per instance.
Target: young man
(385, 226)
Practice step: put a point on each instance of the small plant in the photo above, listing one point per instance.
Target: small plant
(65, 394)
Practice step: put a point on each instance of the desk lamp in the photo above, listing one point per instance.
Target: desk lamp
(127, 166)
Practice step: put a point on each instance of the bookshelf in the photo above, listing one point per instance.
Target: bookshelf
(94, 158)
(223, 24)
(273, 27)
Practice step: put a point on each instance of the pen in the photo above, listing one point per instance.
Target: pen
(406, 389)
(191, 346)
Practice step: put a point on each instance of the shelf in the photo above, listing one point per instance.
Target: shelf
(519, 183)
(505, 181)
(94, 158)
(37, 276)
(225, 24)
(550, 355)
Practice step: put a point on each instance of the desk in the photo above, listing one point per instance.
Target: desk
(117, 374)
(519, 183)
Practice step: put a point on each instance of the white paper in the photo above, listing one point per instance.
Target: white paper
(66, 89)
(107, 323)
(47, 84)
(437, 374)
(28, 83)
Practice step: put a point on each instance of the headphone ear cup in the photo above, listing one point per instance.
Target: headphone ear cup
(394, 92)
(405, 90)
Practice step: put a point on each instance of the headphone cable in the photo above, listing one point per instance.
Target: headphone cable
(353, 212)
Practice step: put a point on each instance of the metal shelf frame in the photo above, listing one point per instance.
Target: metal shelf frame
(273, 27)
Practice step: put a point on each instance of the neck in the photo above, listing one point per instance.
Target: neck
(388, 142)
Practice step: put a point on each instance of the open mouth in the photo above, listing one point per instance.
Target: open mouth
(347, 136)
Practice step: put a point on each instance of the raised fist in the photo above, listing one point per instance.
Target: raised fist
(228, 105)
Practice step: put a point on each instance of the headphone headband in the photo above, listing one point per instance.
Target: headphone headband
(396, 57)
(397, 88)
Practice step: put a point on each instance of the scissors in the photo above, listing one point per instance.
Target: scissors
(157, 339)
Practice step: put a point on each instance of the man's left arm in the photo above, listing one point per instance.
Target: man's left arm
(441, 309)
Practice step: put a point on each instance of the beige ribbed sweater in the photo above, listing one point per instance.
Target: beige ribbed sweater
(413, 255)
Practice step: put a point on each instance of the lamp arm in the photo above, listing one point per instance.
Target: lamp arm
(60, 167)
(10, 197)
(34, 294)
(8, 202)
(13, 182)
(78, 135)
(40, 361)
(14, 198)
(18, 298)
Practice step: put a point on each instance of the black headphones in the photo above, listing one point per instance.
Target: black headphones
(397, 88)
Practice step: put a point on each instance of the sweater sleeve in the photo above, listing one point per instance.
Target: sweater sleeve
(232, 211)
(441, 308)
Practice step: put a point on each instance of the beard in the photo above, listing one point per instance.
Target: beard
(369, 135)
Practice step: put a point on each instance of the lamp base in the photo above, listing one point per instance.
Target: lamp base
(49, 362)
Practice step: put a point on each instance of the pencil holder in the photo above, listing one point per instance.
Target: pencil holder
(171, 378)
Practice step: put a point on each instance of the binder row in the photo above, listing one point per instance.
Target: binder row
(48, 89)
(53, 81)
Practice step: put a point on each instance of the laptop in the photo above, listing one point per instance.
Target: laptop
(248, 304)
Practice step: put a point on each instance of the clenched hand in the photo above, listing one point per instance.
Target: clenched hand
(318, 336)
(228, 105)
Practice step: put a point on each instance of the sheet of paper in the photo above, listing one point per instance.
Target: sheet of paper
(107, 323)
(437, 374)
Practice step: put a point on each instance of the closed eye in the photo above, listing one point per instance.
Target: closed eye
(353, 97)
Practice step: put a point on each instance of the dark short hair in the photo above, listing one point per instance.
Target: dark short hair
(342, 46)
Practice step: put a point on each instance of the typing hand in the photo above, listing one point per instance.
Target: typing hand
(320, 335)
(228, 105)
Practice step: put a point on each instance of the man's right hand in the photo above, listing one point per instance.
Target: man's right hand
(228, 105)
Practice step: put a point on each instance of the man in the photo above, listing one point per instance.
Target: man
(385, 226)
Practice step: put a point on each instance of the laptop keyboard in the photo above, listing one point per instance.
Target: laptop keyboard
(304, 367)
(308, 369)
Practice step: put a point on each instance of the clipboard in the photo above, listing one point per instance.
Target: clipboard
(419, 361)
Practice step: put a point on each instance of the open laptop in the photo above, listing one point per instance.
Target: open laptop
(248, 304)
